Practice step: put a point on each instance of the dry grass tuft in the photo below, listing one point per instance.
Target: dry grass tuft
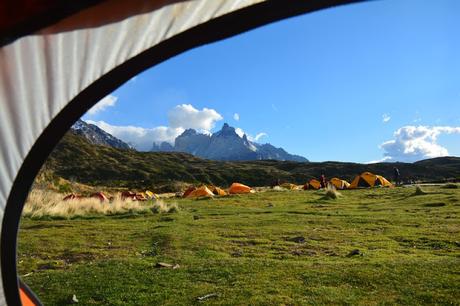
(331, 193)
(50, 204)
(419, 191)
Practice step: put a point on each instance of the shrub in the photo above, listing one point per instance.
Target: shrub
(331, 193)
(419, 190)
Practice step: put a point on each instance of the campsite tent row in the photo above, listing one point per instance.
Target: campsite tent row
(365, 179)
(205, 191)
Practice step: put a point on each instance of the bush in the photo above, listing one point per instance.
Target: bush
(331, 193)
(419, 190)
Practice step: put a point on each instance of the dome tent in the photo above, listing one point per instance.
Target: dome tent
(339, 183)
(78, 53)
(201, 192)
(312, 184)
(236, 188)
(367, 179)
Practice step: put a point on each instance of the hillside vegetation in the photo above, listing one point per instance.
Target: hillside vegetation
(76, 160)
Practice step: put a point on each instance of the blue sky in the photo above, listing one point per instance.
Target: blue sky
(363, 82)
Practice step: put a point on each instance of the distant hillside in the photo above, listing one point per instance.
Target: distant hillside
(225, 145)
(97, 136)
(76, 159)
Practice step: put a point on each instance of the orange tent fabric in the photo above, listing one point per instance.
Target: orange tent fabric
(219, 191)
(25, 299)
(339, 184)
(188, 191)
(314, 184)
(367, 179)
(239, 188)
(203, 191)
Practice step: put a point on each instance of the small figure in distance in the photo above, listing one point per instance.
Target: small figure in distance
(397, 176)
(275, 183)
(322, 180)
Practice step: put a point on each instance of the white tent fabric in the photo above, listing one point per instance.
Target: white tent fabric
(41, 73)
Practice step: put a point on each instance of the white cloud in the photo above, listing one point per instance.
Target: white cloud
(240, 133)
(187, 117)
(236, 116)
(140, 138)
(414, 143)
(386, 118)
(107, 101)
(260, 135)
(181, 117)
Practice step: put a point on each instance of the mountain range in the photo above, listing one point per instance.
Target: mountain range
(225, 145)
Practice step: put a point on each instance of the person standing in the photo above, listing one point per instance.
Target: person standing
(397, 176)
(322, 180)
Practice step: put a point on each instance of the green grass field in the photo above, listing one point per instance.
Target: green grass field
(270, 248)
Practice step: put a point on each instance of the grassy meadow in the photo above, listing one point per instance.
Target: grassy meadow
(367, 247)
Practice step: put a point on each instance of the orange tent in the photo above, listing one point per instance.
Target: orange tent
(367, 179)
(313, 184)
(239, 188)
(219, 191)
(188, 191)
(339, 184)
(203, 191)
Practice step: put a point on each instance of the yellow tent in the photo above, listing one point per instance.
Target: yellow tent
(202, 191)
(367, 179)
(219, 191)
(150, 195)
(383, 181)
(239, 188)
(339, 184)
(312, 184)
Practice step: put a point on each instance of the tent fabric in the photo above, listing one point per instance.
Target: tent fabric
(312, 184)
(383, 181)
(188, 191)
(236, 188)
(367, 179)
(339, 183)
(219, 191)
(57, 65)
(202, 191)
(150, 195)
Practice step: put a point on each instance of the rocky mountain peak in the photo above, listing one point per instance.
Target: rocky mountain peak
(97, 136)
(226, 131)
(188, 132)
